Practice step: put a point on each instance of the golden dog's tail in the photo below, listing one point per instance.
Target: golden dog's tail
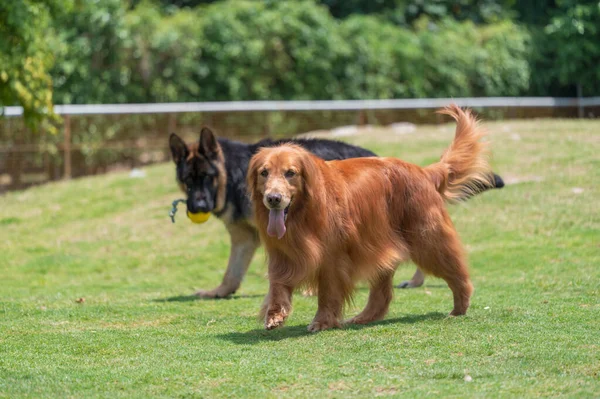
(463, 169)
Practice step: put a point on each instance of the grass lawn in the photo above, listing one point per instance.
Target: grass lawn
(533, 329)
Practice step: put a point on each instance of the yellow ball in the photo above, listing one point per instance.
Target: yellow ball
(199, 217)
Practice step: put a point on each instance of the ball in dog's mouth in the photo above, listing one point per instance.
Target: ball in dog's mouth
(199, 217)
(277, 218)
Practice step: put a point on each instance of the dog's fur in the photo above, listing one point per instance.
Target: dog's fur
(357, 219)
(212, 173)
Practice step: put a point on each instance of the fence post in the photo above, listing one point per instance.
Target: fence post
(14, 156)
(172, 123)
(580, 112)
(267, 124)
(362, 118)
(67, 148)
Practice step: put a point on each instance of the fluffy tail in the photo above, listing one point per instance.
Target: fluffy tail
(463, 169)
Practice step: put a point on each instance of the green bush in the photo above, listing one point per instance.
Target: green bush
(277, 50)
(26, 58)
(382, 61)
(405, 12)
(450, 54)
(163, 55)
(504, 70)
(89, 54)
(462, 59)
(575, 31)
(285, 50)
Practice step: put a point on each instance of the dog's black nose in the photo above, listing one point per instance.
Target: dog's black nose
(201, 204)
(274, 199)
(198, 206)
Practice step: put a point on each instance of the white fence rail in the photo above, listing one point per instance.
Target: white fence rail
(334, 105)
(360, 106)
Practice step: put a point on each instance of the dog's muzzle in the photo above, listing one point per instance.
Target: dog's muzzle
(277, 218)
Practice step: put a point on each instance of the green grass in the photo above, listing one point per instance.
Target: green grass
(533, 328)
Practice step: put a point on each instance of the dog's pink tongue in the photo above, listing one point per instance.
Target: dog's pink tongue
(276, 225)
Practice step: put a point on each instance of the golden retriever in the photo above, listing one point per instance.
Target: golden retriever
(327, 225)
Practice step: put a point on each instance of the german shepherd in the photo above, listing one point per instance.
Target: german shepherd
(327, 225)
(212, 173)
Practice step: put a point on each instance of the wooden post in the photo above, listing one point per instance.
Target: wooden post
(362, 118)
(14, 161)
(172, 123)
(580, 112)
(267, 124)
(43, 148)
(47, 162)
(67, 148)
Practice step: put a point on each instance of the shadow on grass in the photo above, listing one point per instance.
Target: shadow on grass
(426, 286)
(256, 336)
(410, 319)
(191, 298)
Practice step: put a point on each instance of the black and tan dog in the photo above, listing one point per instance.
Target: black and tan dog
(212, 173)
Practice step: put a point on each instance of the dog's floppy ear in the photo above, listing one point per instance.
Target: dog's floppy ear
(255, 162)
(310, 174)
(179, 149)
(208, 143)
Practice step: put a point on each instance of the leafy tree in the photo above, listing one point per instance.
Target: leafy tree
(255, 50)
(405, 12)
(383, 62)
(534, 12)
(504, 69)
(25, 57)
(107, 51)
(345, 8)
(89, 48)
(462, 59)
(170, 4)
(476, 11)
(574, 30)
(163, 54)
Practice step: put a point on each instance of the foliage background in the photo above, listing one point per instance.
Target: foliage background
(111, 51)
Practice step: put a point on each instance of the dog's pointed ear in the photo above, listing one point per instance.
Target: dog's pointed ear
(179, 149)
(208, 143)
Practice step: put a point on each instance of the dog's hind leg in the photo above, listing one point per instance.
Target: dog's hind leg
(244, 242)
(417, 280)
(380, 296)
(437, 250)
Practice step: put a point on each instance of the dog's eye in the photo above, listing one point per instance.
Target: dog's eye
(290, 173)
(264, 173)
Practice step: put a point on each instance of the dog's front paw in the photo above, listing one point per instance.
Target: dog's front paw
(276, 315)
(457, 312)
(275, 320)
(320, 325)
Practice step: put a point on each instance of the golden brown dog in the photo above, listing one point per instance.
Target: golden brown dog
(329, 224)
